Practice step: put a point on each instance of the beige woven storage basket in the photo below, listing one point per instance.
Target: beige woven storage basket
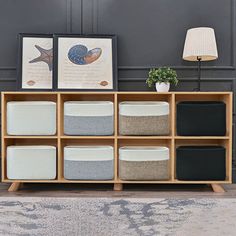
(144, 163)
(144, 118)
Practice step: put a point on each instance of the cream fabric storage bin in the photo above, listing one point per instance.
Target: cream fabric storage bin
(144, 118)
(31, 162)
(31, 118)
(89, 162)
(144, 163)
(88, 118)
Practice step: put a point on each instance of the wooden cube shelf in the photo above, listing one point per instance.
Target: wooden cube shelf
(171, 141)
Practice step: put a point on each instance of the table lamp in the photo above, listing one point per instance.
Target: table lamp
(200, 45)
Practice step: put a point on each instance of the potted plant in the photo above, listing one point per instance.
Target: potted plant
(162, 78)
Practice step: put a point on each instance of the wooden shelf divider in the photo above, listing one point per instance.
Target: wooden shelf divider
(172, 140)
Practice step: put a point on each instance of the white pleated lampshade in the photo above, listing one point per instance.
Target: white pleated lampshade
(200, 43)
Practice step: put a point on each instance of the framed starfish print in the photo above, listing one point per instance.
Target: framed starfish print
(85, 62)
(35, 62)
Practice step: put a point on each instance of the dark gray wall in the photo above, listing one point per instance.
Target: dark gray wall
(150, 33)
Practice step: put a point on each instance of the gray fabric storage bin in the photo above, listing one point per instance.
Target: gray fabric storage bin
(144, 163)
(88, 162)
(144, 118)
(31, 118)
(88, 118)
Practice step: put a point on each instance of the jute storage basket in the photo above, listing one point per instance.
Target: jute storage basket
(89, 162)
(144, 118)
(31, 118)
(144, 163)
(88, 118)
(31, 162)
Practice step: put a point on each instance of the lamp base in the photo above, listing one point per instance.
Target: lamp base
(196, 90)
(199, 59)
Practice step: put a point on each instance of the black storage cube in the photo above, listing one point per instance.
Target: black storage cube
(201, 118)
(200, 163)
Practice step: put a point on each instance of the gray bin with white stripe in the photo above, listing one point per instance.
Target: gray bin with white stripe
(88, 118)
(88, 162)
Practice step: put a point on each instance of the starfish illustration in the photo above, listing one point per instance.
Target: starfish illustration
(46, 56)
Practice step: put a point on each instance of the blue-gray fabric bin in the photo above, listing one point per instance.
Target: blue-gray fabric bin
(88, 162)
(88, 118)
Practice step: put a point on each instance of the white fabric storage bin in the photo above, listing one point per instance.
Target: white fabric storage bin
(31, 162)
(88, 118)
(144, 118)
(89, 162)
(144, 163)
(31, 118)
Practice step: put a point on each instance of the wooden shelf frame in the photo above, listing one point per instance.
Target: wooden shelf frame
(172, 140)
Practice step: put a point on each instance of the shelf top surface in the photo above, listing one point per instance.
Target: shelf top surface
(119, 92)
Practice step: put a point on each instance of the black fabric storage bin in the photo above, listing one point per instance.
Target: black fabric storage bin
(201, 118)
(200, 163)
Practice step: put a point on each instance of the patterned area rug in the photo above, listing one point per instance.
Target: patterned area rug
(23, 216)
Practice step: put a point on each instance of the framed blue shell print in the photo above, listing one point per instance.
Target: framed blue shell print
(85, 62)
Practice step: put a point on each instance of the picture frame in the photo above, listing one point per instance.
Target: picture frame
(85, 62)
(35, 62)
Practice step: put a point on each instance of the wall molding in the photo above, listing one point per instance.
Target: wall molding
(68, 16)
(177, 67)
(134, 79)
(232, 66)
(8, 80)
(129, 79)
(95, 29)
(150, 67)
(68, 29)
(7, 67)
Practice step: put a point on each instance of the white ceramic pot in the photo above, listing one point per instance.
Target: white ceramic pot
(162, 87)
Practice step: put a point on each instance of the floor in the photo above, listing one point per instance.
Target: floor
(95, 209)
(133, 191)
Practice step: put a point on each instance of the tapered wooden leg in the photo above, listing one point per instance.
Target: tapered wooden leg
(14, 187)
(217, 188)
(118, 187)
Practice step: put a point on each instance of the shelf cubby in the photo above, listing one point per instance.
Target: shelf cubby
(25, 96)
(81, 142)
(225, 97)
(147, 142)
(21, 142)
(207, 142)
(137, 96)
(83, 96)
